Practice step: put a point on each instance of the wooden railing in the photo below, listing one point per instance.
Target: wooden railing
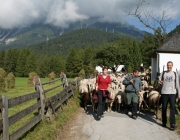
(47, 108)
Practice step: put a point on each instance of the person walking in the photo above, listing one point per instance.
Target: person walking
(103, 83)
(64, 79)
(133, 86)
(170, 87)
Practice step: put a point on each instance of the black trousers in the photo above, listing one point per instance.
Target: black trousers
(101, 103)
(165, 99)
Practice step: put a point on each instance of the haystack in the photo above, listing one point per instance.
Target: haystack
(2, 80)
(10, 81)
(30, 79)
(52, 76)
(81, 73)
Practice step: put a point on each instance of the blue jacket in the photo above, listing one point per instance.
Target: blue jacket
(129, 86)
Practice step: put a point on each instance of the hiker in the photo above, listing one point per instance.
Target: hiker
(170, 87)
(103, 84)
(64, 79)
(133, 86)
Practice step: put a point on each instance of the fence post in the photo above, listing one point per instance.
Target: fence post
(5, 118)
(1, 120)
(42, 98)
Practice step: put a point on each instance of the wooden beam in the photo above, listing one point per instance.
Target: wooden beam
(50, 81)
(22, 99)
(47, 90)
(14, 118)
(17, 134)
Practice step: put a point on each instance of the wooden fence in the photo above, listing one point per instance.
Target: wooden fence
(47, 108)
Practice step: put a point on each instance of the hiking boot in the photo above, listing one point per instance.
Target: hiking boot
(134, 117)
(126, 112)
(163, 125)
(98, 118)
(172, 127)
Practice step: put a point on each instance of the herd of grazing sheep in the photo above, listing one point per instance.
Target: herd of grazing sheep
(148, 97)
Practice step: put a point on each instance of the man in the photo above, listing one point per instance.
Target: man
(170, 86)
(64, 79)
(133, 86)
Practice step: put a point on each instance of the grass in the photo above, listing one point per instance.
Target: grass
(21, 88)
(49, 130)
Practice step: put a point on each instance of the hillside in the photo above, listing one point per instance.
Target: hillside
(78, 39)
(36, 35)
(21, 37)
(177, 29)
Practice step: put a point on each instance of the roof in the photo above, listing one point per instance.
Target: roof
(172, 45)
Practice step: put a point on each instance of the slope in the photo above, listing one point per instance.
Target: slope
(78, 39)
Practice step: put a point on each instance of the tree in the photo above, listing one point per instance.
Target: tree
(21, 62)
(10, 60)
(150, 19)
(31, 64)
(111, 56)
(2, 53)
(74, 62)
(43, 66)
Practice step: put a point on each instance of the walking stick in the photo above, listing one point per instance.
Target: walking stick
(137, 90)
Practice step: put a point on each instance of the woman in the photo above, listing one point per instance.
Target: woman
(103, 84)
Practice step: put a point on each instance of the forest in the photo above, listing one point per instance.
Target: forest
(81, 57)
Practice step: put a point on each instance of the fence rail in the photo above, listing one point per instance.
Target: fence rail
(46, 108)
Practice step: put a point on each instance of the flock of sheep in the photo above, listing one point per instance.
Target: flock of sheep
(148, 97)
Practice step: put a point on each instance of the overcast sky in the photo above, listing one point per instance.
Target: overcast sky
(60, 13)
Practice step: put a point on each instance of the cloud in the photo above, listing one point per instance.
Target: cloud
(61, 13)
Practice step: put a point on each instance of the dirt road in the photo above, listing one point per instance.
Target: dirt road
(115, 126)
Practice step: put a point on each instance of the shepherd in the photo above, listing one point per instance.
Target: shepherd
(64, 79)
(133, 87)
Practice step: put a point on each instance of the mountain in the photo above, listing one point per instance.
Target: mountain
(78, 39)
(177, 29)
(18, 38)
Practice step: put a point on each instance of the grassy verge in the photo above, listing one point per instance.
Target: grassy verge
(49, 130)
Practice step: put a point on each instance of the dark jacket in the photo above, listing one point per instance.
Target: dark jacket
(129, 86)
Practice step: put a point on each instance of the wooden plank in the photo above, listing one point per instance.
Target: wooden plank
(5, 119)
(1, 124)
(14, 118)
(47, 90)
(21, 99)
(17, 134)
(56, 105)
(50, 81)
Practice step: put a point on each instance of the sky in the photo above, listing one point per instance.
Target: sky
(61, 13)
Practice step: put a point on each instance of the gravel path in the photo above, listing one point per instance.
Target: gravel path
(115, 126)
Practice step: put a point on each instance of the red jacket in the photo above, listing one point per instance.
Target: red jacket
(103, 82)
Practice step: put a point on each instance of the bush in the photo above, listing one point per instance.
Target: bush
(30, 79)
(10, 81)
(2, 80)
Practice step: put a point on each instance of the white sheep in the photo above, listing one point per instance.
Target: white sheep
(153, 99)
(120, 99)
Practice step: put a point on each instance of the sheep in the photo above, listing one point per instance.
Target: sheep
(84, 91)
(145, 84)
(120, 99)
(153, 99)
(110, 102)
